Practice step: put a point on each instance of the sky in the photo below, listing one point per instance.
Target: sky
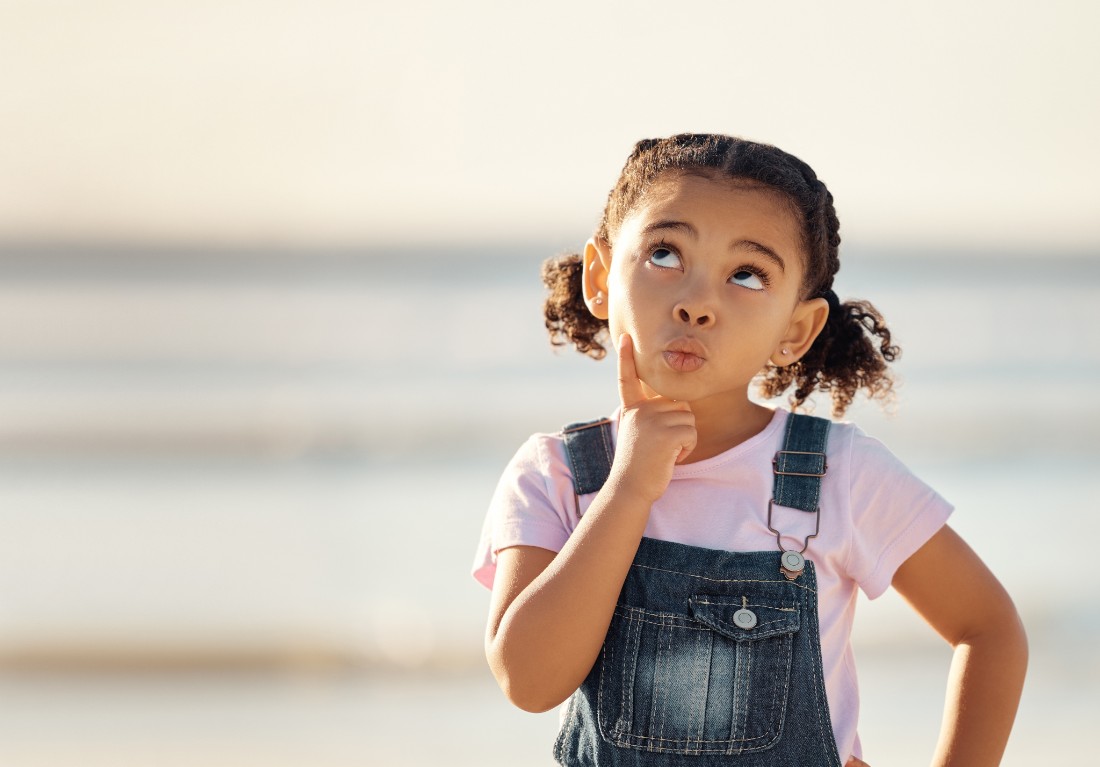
(369, 124)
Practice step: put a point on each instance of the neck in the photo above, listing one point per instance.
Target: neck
(721, 424)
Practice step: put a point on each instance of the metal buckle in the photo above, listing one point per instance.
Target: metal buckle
(775, 464)
(792, 574)
(779, 535)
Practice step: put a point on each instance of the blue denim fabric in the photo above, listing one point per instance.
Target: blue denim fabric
(800, 465)
(680, 681)
(590, 451)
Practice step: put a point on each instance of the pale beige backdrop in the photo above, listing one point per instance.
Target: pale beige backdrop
(269, 329)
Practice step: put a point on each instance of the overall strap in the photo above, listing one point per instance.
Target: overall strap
(800, 465)
(590, 452)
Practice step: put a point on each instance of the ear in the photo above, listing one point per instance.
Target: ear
(807, 321)
(597, 265)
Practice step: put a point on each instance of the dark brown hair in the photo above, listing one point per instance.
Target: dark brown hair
(853, 349)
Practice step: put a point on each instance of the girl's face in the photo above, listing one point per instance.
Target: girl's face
(705, 276)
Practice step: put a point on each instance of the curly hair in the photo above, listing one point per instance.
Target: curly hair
(851, 352)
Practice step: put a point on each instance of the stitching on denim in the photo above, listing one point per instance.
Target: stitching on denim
(828, 739)
(634, 649)
(811, 441)
(585, 425)
(781, 479)
(607, 660)
(700, 713)
(569, 452)
(796, 584)
(781, 691)
(740, 710)
(751, 657)
(705, 627)
(568, 440)
(767, 734)
(607, 656)
(681, 621)
(568, 725)
(660, 671)
(695, 745)
(666, 614)
(705, 601)
(699, 745)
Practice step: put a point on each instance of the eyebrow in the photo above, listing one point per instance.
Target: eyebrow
(689, 230)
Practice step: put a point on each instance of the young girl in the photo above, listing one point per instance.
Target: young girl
(684, 572)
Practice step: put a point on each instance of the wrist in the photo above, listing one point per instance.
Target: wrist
(633, 492)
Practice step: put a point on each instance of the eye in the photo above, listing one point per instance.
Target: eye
(749, 279)
(666, 258)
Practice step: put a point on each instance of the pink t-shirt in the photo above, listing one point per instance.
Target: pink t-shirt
(874, 514)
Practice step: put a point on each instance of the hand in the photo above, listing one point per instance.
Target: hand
(853, 762)
(655, 433)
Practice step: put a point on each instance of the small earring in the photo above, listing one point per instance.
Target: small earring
(785, 352)
(599, 298)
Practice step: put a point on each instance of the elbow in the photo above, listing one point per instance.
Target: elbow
(1007, 634)
(524, 690)
(526, 698)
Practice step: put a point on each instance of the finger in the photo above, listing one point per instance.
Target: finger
(630, 386)
(687, 445)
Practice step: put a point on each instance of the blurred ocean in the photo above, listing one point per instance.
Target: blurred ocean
(240, 493)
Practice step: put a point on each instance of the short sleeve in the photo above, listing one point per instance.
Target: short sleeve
(894, 513)
(527, 507)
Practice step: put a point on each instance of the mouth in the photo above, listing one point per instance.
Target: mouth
(685, 355)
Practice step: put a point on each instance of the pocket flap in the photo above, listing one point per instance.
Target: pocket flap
(772, 617)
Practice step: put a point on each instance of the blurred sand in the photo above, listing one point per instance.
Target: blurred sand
(456, 718)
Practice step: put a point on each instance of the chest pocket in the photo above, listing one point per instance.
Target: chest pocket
(701, 682)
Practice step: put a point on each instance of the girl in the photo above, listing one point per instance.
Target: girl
(685, 571)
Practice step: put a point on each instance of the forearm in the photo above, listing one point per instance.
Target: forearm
(551, 634)
(984, 686)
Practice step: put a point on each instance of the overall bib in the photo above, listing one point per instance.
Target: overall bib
(712, 657)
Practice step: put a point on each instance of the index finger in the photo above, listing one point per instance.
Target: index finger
(630, 386)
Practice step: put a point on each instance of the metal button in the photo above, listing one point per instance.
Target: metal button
(744, 618)
(792, 561)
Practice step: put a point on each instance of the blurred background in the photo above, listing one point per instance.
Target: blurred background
(270, 329)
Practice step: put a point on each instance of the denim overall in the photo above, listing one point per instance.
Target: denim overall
(712, 657)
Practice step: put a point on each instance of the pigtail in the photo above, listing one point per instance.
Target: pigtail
(850, 354)
(567, 317)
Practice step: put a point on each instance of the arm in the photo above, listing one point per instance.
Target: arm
(550, 613)
(952, 589)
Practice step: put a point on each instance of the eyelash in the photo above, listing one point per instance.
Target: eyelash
(751, 268)
(760, 273)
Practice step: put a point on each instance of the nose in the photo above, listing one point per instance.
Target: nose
(694, 314)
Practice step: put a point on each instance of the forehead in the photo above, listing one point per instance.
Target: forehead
(736, 201)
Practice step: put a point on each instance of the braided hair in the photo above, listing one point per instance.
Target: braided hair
(854, 347)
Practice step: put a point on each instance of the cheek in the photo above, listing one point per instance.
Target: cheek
(629, 316)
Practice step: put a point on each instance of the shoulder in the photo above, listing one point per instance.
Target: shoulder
(533, 504)
(871, 460)
(871, 469)
(556, 455)
(893, 511)
(541, 455)
(540, 473)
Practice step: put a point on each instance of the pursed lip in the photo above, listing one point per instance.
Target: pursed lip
(685, 355)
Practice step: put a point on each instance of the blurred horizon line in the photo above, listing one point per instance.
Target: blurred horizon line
(504, 259)
(889, 248)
